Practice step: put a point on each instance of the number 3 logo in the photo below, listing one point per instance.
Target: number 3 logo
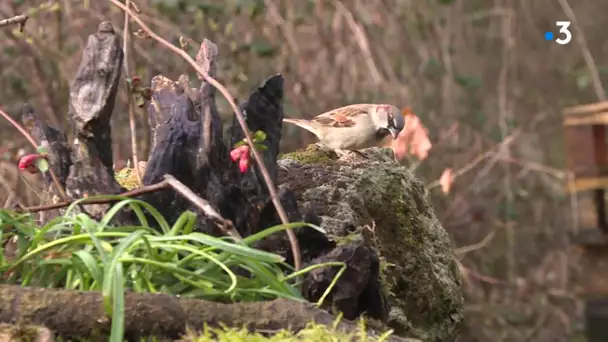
(563, 30)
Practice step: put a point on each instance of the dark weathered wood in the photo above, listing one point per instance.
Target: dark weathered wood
(358, 289)
(92, 96)
(187, 140)
(264, 111)
(212, 145)
(174, 153)
(188, 143)
(81, 315)
(164, 95)
(315, 242)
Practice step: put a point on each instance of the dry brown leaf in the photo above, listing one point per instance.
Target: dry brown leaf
(446, 181)
(413, 139)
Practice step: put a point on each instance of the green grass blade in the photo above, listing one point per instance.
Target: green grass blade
(90, 264)
(110, 271)
(234, 248)
(118, 305)
(275, 229)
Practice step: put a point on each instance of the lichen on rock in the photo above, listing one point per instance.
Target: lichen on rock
(385, 204)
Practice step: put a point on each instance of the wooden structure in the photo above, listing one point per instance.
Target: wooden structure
(587, 155)
(587, 159)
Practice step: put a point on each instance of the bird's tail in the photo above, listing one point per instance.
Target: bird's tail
(302, 123)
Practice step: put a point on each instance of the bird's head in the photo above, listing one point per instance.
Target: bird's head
(388, 119)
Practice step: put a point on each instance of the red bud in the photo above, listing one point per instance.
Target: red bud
(28, 163)
(244, 163)
(238, 152)
(235, 154)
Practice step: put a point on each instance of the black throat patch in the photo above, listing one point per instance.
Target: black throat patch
(382, 133)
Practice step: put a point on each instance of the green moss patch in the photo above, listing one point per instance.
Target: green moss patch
(312, 333)
(313, 154)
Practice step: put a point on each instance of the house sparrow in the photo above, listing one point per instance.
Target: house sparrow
(354, 127)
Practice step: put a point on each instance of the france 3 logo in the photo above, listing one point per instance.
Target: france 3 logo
(564, 35)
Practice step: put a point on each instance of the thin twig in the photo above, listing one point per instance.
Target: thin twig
(225, 225)
(256, 155)
(362, 42)
(467, 272)
(126, 36)
(470, 248)
(18, 19)
(491, 153)
(470, 166)
(132, 193)
(505, 115)
(580, 39)
(283, 25)
(33, 143)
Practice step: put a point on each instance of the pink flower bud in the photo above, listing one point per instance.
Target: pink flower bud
(235, 154)
(244, 163)
(28, 163)
(238, 152)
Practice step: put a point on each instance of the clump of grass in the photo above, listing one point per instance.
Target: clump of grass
(74, 251)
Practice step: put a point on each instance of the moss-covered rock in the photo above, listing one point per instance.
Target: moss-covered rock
(381, 201)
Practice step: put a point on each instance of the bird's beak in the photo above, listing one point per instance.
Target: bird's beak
(394, 132)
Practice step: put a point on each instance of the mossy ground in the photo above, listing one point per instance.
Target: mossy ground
(312, 333)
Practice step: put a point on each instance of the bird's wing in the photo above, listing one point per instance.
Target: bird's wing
(341, 117)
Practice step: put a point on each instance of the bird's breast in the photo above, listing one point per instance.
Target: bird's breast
(350, 139)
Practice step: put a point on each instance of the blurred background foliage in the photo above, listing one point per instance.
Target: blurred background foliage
(478, 73)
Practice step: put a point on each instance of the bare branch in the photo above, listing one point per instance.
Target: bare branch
(225, 225)
(16, 20)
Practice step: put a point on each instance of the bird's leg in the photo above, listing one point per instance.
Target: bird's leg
(347, 154)
(360, 154)
(342, 154)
